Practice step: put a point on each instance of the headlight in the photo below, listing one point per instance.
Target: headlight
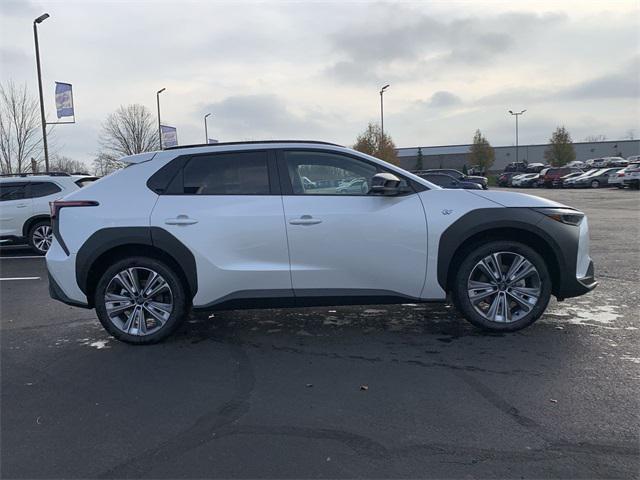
(563, 215)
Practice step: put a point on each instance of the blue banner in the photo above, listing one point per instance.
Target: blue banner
(169, 136)
(64, 100)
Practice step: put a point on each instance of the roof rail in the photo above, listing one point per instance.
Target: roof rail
(41, 174)
(251, 142)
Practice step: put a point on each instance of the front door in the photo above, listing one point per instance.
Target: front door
(344, 241)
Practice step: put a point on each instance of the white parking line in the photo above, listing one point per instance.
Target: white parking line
(24, 256)
(19, 278)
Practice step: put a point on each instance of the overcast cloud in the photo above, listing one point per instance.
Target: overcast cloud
(313, 70)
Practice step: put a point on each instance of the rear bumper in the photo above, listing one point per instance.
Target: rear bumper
(63, 285)
(57, 293)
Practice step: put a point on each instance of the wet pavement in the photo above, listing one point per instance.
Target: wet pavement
(372, 391)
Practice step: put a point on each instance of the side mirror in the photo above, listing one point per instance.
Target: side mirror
(386, 184)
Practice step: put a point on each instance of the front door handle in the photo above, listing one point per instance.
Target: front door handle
(21, 205)
(181, 220)
(305, 220)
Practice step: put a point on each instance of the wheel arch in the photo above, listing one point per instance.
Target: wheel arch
(31, 221)
(517, 224)
(108, 245)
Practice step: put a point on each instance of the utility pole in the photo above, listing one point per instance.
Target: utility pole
(382, 111)
(159, 127)
(517, 114)
(38, 20)
(206, 133)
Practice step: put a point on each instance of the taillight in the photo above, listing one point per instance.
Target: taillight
(60, 204)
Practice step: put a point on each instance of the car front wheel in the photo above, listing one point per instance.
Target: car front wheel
(595, 184)
(140, 300)
(40, 236)
(502, 286)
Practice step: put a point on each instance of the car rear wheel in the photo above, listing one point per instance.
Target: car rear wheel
(140, 300)
(595, 184)
(502, 286)
(40, 236)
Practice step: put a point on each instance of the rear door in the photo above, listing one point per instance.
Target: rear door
(226, 208)
(347, 242)
(15, 208)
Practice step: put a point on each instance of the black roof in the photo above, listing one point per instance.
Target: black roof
(251, 142)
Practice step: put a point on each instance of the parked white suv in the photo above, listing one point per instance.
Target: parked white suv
(235, 226)
(24, 206)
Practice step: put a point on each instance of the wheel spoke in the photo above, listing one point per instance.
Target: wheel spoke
(159, 315)
(126, 327)
(154, 287)
(486, 266)
(525, 297)
(480, 290)
(525, 269)
(162, 309)
(518, 260)
(142, 321)
(126, 282)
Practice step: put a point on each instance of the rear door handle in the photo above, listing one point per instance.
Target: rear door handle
(181, 220)
(305, 220)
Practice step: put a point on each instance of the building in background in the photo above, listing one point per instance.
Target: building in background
(456, 156)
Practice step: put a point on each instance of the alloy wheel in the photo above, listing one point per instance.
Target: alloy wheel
(42, 237)
(504, 287)
(138, 301)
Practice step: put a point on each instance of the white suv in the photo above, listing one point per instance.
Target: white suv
(24, 206)
(236, 226)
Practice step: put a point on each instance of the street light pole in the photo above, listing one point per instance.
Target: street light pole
(38, 20)
(382, 110)
(517, 114)
(159, 127)
(206, 133)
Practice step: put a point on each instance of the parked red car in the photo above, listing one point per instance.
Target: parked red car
(552, 175)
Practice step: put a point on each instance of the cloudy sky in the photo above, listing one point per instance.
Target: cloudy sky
(313, 69)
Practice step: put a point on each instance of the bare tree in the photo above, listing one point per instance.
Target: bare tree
(19, 129)
(129, 130)
(595, 138)
(105, 164)
(61, 163)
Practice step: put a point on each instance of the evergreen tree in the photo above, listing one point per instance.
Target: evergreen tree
(419, 158)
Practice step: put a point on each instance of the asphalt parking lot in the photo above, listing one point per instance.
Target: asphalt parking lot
(375, 391)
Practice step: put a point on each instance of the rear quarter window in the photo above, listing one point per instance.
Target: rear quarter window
(12, 191)
(42, 189)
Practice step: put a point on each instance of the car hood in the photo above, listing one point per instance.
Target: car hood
(475, 177)
(514, 199)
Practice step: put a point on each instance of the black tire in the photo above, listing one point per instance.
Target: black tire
(595, 184)
(35, 237)
(177, 290)
(460, 285)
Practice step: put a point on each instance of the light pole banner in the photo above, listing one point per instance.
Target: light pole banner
(64, 100)
(169, 136)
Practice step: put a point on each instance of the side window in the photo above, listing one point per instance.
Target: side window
(42, 189)
(323, 173)
(12, 191)
(237, 173)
